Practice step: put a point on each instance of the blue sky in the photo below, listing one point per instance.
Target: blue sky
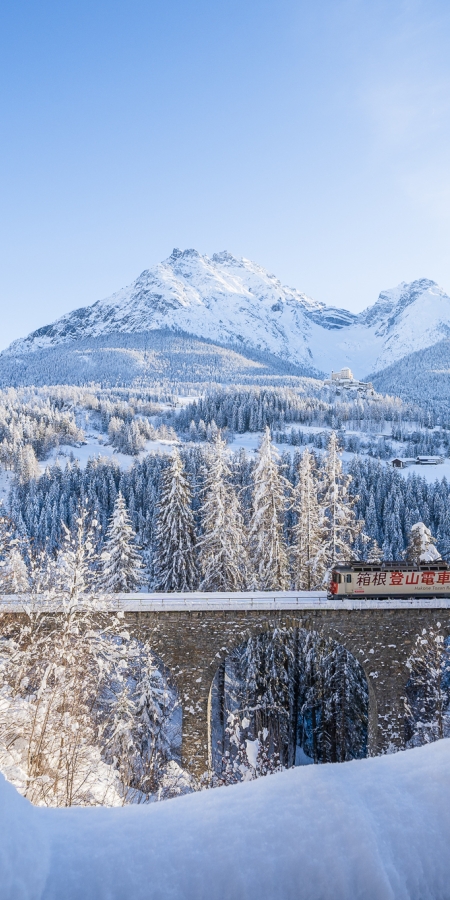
(311, 137)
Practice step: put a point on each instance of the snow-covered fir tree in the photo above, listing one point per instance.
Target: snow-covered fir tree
(421, 545)
(333, 700)
(175, 559)
(14, 576)
(154, 709)
(223, 553)
(120, 748)
(27, 466)
(297, 693)
(307, 552)
(342, 527)
(5, 548)
(388, 501)
(427, 700)
(268, 549)
(267, 666)
(139, 730)
(122, 570)
(73, 575)
(55, 669)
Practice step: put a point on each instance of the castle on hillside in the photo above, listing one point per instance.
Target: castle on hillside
(345, 379)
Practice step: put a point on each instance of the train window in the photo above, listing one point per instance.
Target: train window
(348, 578)
(337, 578)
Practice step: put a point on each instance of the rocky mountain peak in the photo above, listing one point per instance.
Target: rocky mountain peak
(236, 302)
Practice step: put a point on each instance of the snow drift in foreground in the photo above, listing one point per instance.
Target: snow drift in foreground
(374, 829)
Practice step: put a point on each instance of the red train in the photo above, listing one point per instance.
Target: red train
(390, 579)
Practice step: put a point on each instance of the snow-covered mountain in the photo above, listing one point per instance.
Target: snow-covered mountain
(220, 298)
(234, 301)
(405, 319)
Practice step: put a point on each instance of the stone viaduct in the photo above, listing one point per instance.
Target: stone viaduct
(193, 633)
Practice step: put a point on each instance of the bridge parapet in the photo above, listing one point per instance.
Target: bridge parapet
(245, 601)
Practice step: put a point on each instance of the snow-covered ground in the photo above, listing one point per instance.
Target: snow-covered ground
(249, 441)
(430, 473)
(97, 445)
(375, 829)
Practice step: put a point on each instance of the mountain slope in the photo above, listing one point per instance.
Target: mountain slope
(236, 303)
(423, 376)
(149, 358)
(405, 319)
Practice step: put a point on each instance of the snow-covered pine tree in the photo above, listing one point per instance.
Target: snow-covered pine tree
(154, 709)
(223, 555)
(421, 545)
(139, 729)
(443, 533)
(267, 545)
(5, 548)
(344, 704)
(333, 700)
(27, 466)
(73, 575)
(267, 671)
(372, 552)
(371, 520)
(174, 559)
(307, 551)
(14, 578)
(5, 530)
(119, 747)
(428, 689)
(342, 527)
(55, 672)
(122, 570)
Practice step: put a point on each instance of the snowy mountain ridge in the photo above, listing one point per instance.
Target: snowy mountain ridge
(237, 302)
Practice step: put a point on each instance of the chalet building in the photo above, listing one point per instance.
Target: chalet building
(399, 463)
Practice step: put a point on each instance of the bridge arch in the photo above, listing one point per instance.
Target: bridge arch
(328, 738)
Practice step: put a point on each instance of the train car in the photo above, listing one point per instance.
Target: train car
(390, 579)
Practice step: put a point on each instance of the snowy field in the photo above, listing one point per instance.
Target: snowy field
(97, 445)
(375, 829)
(429, 473)
(249, 442)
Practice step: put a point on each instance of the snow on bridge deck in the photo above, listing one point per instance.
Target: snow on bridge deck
(246, 601)
(286, 600)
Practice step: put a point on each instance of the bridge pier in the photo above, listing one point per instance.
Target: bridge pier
(195, 752)
(387, 719)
